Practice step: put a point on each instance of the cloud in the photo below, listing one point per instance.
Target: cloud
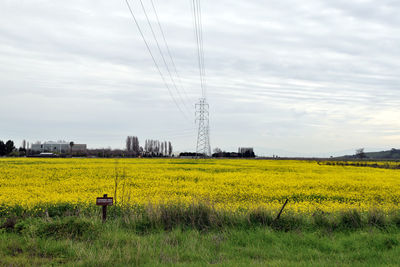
(313, 77)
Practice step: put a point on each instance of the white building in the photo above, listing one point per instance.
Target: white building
(60, 147)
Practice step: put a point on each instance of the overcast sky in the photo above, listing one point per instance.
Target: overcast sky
(315, 77)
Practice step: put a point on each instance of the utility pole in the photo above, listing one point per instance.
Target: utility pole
(203, 134)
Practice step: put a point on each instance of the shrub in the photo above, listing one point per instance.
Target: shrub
(376, 218)
(396, 219)
(288, 222)
(260, 218)
(9, 223)
(351, 219)
(321, 219)
(195, 216)
(61, 209)
(71, 227)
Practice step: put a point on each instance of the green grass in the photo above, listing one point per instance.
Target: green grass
(203, 217)
(196, 235)
(113, 244)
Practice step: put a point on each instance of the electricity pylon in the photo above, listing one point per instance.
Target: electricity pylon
(203, 134)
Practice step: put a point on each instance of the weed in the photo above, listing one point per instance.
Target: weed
(351, 219)
(390, 243)
(288, 222)
(260, 217)
(62, 209)
(71, 227)
(9, 223)
(376, 218)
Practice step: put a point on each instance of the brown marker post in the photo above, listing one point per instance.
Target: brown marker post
(104, 201)
(104, 210)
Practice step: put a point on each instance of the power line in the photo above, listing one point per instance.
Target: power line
(200, 32)
(162, 55)
(195, 26)
(154, 60)
(202, 49)
(168, 50)
(199, 43)
(203, 147)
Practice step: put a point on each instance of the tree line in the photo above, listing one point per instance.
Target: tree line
(132, 145)
(152, 147)
(243, 153)
(6, 148)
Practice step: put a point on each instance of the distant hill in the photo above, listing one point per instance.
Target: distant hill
(393, 154)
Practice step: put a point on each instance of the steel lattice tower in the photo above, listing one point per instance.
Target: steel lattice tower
(203, 134)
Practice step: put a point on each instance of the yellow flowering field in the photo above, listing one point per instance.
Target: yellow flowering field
(225, 184)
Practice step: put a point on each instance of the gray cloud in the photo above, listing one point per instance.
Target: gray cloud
(313, 77)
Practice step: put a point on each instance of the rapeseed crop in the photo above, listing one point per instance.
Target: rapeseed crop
(223, 184)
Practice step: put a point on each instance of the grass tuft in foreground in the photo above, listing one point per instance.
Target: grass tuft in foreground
(199, 216)
(87, 241)
(195, 235)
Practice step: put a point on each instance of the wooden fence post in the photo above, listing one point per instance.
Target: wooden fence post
(280, 212)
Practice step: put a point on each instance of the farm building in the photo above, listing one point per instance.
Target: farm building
(60, 147)
(244, 150)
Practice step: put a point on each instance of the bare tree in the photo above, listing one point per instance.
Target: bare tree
(128, 143)
(71, 144)
(154, 147)
(360, 153)
(218, 152)
(135, 144)
(169, 149)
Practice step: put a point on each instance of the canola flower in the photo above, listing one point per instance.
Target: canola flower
(235, 184)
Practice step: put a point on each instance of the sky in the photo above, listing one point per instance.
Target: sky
(289, 78)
